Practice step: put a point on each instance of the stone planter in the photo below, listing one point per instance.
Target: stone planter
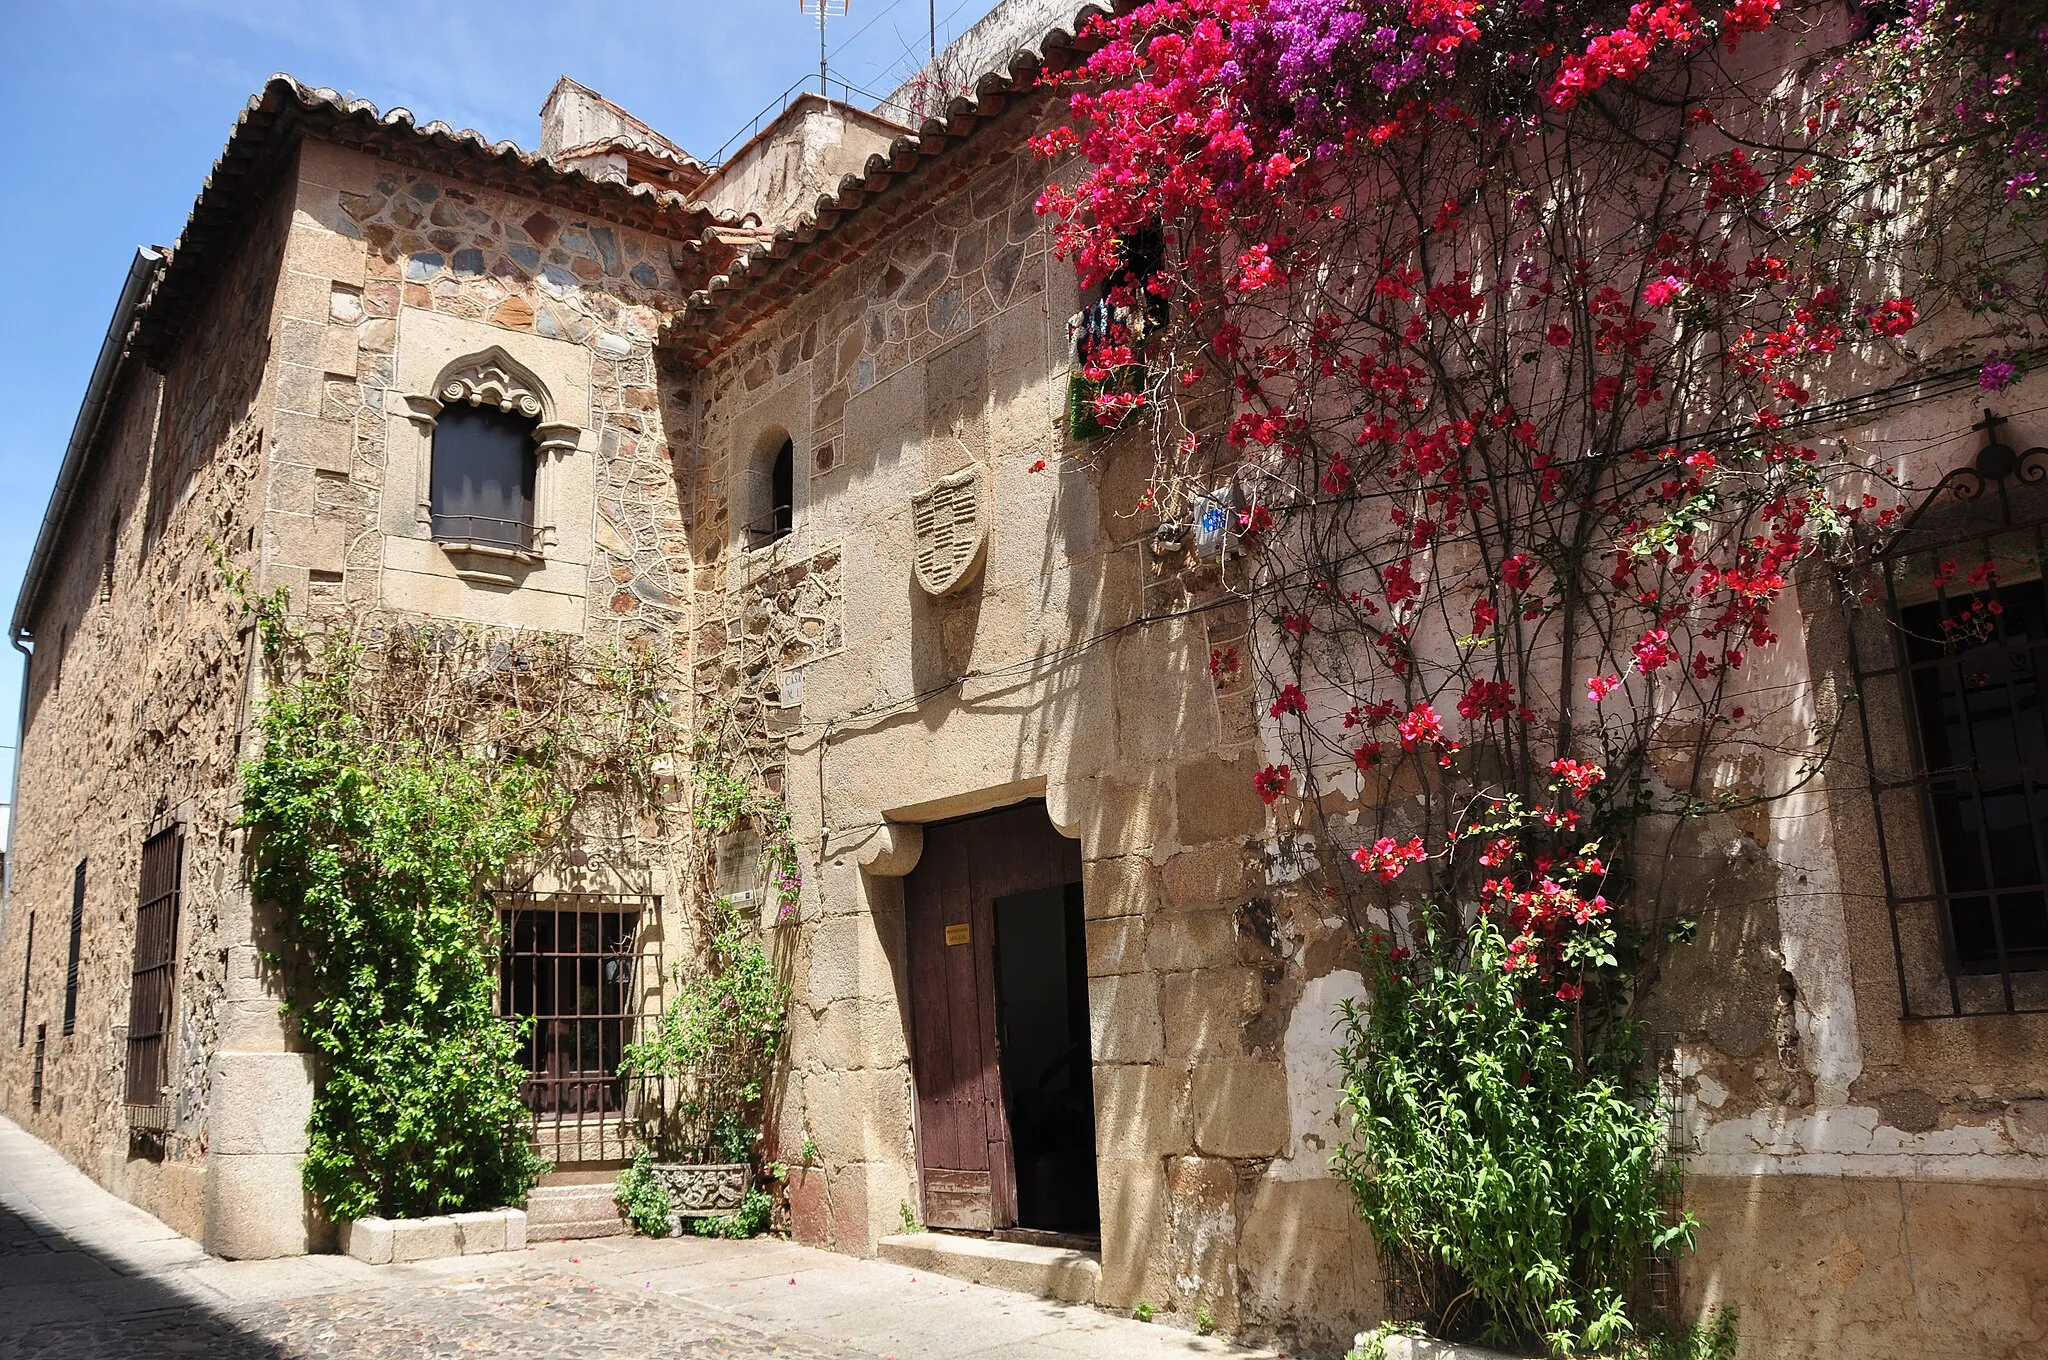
(710, 1190)
(389, 1241)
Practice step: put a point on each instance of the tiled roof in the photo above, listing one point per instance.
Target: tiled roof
(788, 262)
(285, 109)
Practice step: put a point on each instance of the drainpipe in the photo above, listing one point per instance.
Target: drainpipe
(14, 786)
(142, 271)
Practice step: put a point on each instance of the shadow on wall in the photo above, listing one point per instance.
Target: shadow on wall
(59, 1301)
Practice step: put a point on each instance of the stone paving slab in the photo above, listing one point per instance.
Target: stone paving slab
(85, 1276)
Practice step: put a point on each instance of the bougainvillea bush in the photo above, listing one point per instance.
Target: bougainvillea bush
(1524, 334)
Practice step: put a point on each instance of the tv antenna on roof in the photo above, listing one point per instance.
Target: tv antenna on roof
(823, 9)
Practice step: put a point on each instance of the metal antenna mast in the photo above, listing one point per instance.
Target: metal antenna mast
(823, 9)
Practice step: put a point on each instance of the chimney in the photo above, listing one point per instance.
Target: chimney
(582, 129)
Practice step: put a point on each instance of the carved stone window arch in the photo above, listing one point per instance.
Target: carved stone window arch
(493, 381)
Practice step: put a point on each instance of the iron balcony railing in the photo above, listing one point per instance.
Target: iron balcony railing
(481, 531)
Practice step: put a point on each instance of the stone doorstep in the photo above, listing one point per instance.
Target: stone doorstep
(1049, 1272)
(391, 1241)
(559, 1212)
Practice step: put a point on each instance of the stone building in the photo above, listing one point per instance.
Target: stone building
(801, 420)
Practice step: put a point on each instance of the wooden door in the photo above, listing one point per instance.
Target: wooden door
(949, 902)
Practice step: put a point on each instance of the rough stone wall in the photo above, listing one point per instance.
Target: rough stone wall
(1064, 670)
(391, 279)
(379, 250)
(1870, 1185)
(1829, 1146)
(283, 410)
(137, 703)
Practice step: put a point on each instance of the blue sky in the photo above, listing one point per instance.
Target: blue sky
(119, 109)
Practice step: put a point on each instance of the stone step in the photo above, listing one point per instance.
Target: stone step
(554, 1212)
(1061, 1273)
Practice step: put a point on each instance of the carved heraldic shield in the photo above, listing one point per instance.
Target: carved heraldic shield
(951, 524)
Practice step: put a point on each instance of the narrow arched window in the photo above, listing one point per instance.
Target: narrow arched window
(775, 514)
(782, 488)
(483, 473)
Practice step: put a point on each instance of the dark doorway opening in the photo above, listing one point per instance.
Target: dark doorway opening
(1042, 1042)
(999, 1027)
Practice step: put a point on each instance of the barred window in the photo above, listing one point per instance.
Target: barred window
(153, 984)
(577, 971)
(77, 939)
(1947, 650)
(770, 490)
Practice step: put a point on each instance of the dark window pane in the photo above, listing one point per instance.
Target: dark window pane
(1977, 701)
(482, 490)
(780, 516)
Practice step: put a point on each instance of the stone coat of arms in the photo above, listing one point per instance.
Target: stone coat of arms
(950, 520)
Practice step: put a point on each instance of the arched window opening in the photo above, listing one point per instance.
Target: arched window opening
(777, 517)
(483, 473)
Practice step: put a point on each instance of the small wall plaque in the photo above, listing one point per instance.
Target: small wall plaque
(957, 934)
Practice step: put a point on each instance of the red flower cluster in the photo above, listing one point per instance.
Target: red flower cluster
(1895, 316)
(1579, 778)
(1388, 858)
(1271, 782)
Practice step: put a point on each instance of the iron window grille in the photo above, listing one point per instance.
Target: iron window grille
(35, 1080)
(28, 957)
(154, 982)
(77, 938)
(481, 531)
(581, 971)
(1948, 674)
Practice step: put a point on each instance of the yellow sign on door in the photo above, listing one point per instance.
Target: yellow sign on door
(957, 934)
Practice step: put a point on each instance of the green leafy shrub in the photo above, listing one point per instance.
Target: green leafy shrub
(1711, 1339)
(1143, 1311)
(375, 855)
(715, 1047)
(1516, 1168)
(643, 1199)
(749, 1220)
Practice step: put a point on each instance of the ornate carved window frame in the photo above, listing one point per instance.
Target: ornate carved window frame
(494, 379)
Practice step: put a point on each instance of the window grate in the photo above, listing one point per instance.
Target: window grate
(28, 956)
(77, 937)
(1948, 668)
(778, 521)
(582, 971)
(155, 973)
(35, 1081)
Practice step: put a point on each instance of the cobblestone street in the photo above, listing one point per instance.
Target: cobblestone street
(83, 1274)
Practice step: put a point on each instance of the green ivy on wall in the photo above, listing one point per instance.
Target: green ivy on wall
(375, 855)
(716, 1046)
